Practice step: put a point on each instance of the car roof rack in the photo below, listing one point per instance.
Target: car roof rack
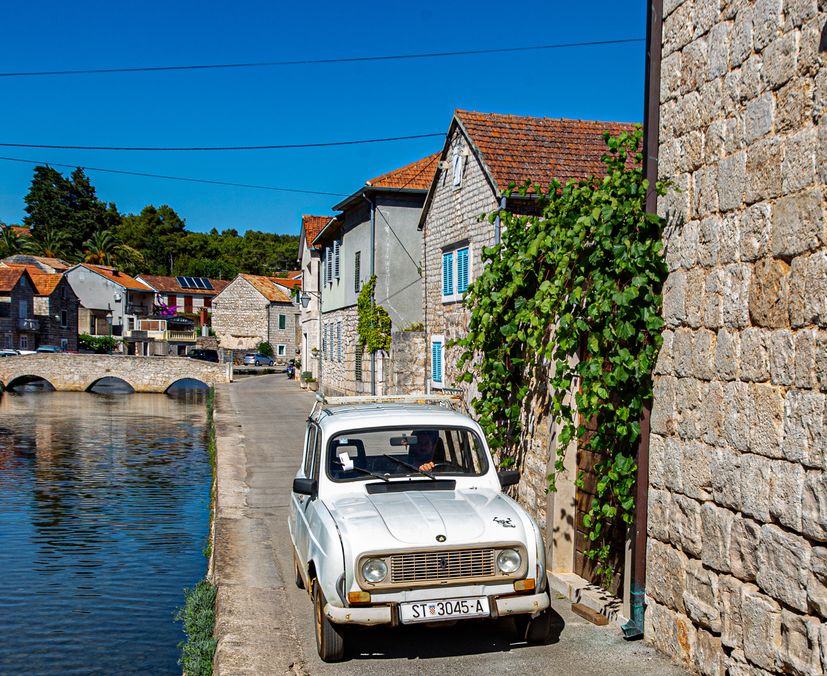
(451, 399)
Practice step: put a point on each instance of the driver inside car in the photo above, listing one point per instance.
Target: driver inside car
(422, 452)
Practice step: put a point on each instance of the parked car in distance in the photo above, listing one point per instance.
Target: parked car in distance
(257, 360)
(8, 353)
(397, 516)
(204, 355)
(48, 348)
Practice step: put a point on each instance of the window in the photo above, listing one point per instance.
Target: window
(282, 322)
(5, 309)
(187, 303)
(329, 255)
(324, 267)
(358, 362)
(357, 271)
(281, 350)
(339, 340)
(24, 342)
(337, 245)
(64, 343)
(207, 301)
(456, 274)
(437, 354)
(64, 319)
(8, 342)
(23, 308)
(324, 341)
(172, 300)
(457, 165)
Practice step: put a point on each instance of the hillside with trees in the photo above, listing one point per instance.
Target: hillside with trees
(67, 220)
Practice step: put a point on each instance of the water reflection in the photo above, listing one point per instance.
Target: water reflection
(103, 514)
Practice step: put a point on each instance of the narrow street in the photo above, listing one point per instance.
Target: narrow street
(264, 623)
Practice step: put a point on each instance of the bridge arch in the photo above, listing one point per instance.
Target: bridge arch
(25, 379)
(108, 380)
(197, 382)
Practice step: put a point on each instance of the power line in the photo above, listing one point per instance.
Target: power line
(177, 178)
(283, 146)
(314, 62)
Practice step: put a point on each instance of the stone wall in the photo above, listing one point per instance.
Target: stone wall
(737, 556)
(239, 316)
(339, 375)
(404, 369)
(52, 331)
(286, 336)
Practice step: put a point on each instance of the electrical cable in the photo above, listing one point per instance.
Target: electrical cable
(307, 62)
(176, 178)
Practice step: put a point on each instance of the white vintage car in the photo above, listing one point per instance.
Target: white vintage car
(397, 517)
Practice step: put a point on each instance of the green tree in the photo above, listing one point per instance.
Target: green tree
(156, 232)
(10, 242)
(50, 243)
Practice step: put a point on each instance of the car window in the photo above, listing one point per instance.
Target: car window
(309, 450)
(354, 456)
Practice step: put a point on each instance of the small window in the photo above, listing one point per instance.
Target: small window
(357, 271)
(462, 270)
(456, 273)
(24, 342)
(324, 341)
(64, 319)
(437, 354)
(64, 343)
(172, 300)
(329, 254)
(8, 342)
(281, 350)
(337, 246)
(282, 322)
(339, 340)
(187, 303)
(324, 267)
(457, 166)
(207, 302)
(448, 274)
(358, 367)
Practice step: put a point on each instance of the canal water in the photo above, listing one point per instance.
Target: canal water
(104, 513)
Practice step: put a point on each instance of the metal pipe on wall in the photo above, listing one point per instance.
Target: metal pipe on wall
(372, 272)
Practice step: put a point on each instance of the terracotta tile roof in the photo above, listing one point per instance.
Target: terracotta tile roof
(312, 226)
(21, 230)
(165, 284)
(120, 278)
(44, 283)
(290, 283)
(55, 263)
(31, 269)
(516, 148)
(42, 262)
(266, 286)
(414, 176)
(9, 278)
(333, 228)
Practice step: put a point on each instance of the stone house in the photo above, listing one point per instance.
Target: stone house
(18, 325)
(310, 264)
(112, 303)
(737, 550)
(253, 309)
(42, 263)
(185, 294)
(376, 233)
(483, 154)
(56, 310)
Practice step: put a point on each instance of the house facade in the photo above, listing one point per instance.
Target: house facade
(483, 154)
(253, 309)
(56, 309)
(184, 293)
(309, 319)
(18, 325)
(375, 234)
(736, 578)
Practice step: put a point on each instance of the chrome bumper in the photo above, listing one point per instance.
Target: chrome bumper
(521, 605)
(368, 616)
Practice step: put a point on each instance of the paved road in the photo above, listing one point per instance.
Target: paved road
(265, 623)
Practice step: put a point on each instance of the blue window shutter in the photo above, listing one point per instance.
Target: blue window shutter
(436, 362)
(462, 270)
(448, 274)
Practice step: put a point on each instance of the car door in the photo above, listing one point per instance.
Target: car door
(299, 503)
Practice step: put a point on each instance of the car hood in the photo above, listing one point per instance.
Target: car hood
(418, 518)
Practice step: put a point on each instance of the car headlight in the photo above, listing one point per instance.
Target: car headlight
(374, 570)
(508, 561)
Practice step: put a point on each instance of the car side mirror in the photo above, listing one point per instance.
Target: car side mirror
(508, 477)
(305, 487)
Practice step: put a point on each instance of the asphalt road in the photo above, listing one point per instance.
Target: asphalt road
(265, 623)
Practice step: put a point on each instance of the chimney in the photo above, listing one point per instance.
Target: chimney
(115, 272)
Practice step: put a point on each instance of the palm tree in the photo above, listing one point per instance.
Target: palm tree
(10, 242)
(100, 247)
(52, 244)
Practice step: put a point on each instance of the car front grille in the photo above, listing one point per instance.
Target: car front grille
(416, 567)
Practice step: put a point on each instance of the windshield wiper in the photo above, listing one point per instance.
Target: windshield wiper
(409, 466)
(373, 474)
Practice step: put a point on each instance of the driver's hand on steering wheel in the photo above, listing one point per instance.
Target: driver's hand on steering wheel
(426, 466)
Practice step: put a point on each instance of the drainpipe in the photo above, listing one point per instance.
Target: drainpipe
(497, 223)
(633, 629)
(372, 272)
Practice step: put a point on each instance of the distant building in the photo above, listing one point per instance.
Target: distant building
(185, 294)
(18, 325)
(56, 308)
(309, 260)
(42, 263)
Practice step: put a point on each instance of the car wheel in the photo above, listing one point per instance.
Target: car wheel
(533, 630)
(299, 580)
(329, 640)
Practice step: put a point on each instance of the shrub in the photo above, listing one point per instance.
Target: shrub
(265, 348)
(198, 618)
(97, 344)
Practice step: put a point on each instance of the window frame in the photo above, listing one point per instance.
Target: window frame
(64, 319)
(281, 350)
(453, 253)
(282, 322)
(439, 340)
(357, 271)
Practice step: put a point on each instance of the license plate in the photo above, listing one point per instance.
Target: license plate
(446, 609)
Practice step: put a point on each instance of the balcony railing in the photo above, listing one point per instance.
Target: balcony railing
(137, 310)
(181, 336)
(26, 324)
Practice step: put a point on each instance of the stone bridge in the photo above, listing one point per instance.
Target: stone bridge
(80, 372)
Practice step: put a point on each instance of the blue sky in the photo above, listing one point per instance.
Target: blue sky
(300, 104)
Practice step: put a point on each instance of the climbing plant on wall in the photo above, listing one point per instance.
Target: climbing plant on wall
(576, 292)
(374, 323)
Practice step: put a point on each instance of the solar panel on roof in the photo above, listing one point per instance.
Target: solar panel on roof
(182, 282)
(202, 282)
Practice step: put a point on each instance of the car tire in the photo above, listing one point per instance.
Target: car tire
(299, 580)
(329, 640)
(534, 630)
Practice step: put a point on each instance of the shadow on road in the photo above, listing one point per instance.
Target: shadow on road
(447, 640)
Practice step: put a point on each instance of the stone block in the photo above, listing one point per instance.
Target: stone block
(708, 232)
(670, 81)
(694, 66)
(769, 294)
(817, 582)
(673, 461)
(657, 461)
(682, 352)
(664, 414)
(728, 236)
(709, 655)
(726, 479)
(766, 22)
(688, 397)
(718, 50)
(692, 150)
(737, 404)
(712, 411)
(798, 224)
(794, 105)
(799, 167)
(716, 526)
(804, 428)
(688, 244)
(784, 566)
(730, 591)
(782, 357)
(660, 506)
(758, 119)
(808, 290)
(798, 653)
(697, 477)
(664, 364)
(809, 47)
(700, 597)
(814, 506)
(821, 149)
(761, 617)
(736, 285)
(755, 485)
(755, 360)
(732, 181)
(703, 355)
(755, 232)
(727, 354)
(666, 567)
(796, 12)
(741, 36)
(685, 525)
(786, 487)
(659, 628)
(764, 161)
(674, 299)
(743, 560)
(766, 420)
(712, 107)
(677, 28)
(713, 299)
(805, 359)
(705, 194)
(695, 282)
(781, 59)
(750, 83)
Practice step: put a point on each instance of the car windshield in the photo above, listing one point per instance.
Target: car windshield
(403, 452)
